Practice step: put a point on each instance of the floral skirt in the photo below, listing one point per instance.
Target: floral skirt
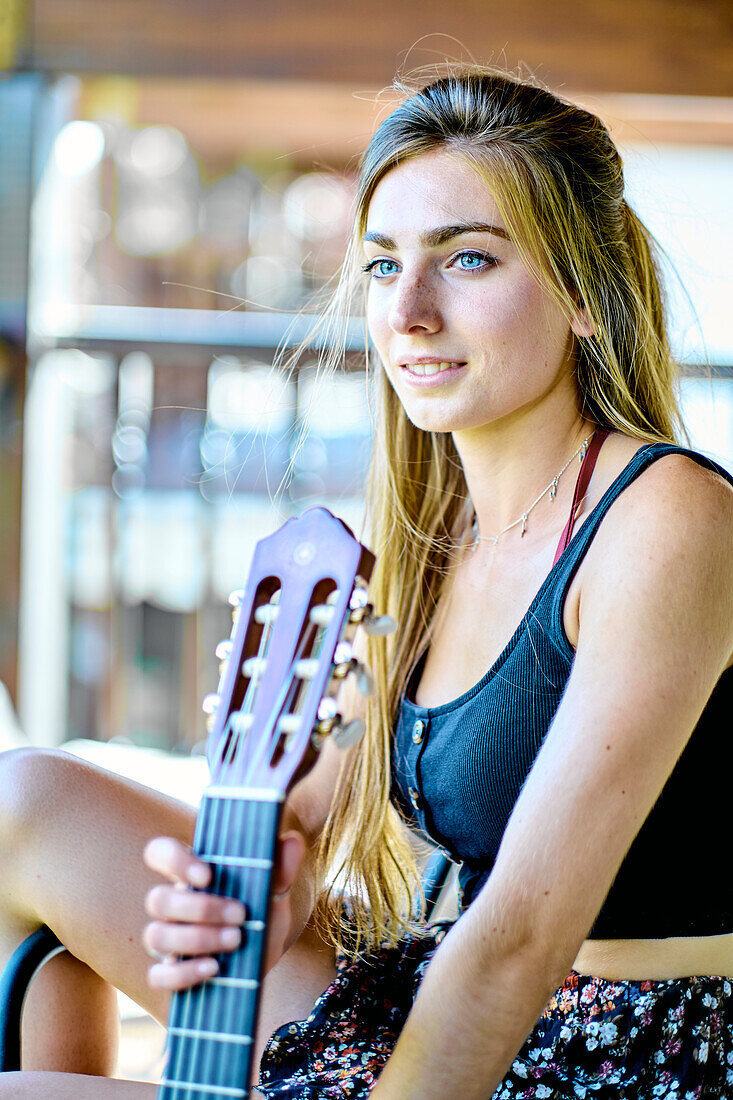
(596, 1039)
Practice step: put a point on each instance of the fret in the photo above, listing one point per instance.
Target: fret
(254, 926)
(236, 983)
(237, 861)
(212, 1036)
(211, 1090)
(248, 794)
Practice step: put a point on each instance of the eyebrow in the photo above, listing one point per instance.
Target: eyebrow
(432, 238)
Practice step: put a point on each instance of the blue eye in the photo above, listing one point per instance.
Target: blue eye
(381, 269)
(473, 261)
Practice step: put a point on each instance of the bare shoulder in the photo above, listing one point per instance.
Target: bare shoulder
(676, 500)
(665, 550)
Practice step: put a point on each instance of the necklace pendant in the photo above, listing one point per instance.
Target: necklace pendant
(524, 525)
(553, 488)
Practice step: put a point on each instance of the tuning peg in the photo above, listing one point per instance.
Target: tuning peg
(222, 651)
(321, 614)
(210, 702)
(254, 666)
(236, 597)
(379, 624)
(358, 598)
(345, 663)
(345, 736)
(362, 613)
(267, 613)
(327, 708)
(364, 680)
(306, 668)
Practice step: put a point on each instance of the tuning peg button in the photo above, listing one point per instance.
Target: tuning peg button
(364, 680)
(359, 599)
(210, 703)
(379, 624)
(321, 614)
(345, 736)
(327, 709)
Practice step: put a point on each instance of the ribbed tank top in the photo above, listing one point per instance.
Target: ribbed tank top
(458, 768)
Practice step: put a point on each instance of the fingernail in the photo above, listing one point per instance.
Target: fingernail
(234, 913)
(198, 874)
(207, 968)
(230, 937)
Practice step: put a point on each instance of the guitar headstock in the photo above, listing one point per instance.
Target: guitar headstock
(291, 645)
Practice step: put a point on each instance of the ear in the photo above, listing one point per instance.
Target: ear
(582, 323)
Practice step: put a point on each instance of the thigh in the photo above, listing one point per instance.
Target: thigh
(65, 1086)
(72, 837)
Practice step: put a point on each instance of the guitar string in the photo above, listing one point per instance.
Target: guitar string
(181, 1002)
(236, 745)
(218, 886)
(232, 749)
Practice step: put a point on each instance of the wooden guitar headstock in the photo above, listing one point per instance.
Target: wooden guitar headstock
(290, 646)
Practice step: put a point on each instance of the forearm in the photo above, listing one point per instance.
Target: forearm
(474, 1010)
(301, 897)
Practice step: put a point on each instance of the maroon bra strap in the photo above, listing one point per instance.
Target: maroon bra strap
(581, 486)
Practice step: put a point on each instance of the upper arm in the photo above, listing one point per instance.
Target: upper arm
(656, 631)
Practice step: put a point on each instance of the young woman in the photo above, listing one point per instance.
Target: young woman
(553, 709)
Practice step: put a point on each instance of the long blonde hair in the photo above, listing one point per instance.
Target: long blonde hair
(557, 180)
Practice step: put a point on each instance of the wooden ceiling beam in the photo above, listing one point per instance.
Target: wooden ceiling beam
(656, 47)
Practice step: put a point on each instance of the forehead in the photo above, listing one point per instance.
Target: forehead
(432, 189)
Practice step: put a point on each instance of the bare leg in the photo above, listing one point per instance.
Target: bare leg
(67, 1086)
(71, 842)
(62, 1086)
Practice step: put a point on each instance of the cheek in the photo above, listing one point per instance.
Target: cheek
(524, 318)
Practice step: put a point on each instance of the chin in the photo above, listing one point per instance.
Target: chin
(442, 421)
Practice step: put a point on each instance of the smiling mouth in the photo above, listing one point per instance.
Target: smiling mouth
(430, 368)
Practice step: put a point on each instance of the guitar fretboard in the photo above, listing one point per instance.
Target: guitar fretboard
(211, 1027)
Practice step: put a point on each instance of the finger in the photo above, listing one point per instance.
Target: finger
(175, 861)
(192, 907)
(162, 938)
(292, 850)
(175, 974)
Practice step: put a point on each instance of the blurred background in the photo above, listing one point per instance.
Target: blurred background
(175, 188)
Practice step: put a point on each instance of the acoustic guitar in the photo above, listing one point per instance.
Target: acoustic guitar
(290, 648)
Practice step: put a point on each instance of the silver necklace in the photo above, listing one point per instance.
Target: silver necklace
(550, 489)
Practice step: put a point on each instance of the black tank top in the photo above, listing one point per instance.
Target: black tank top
(458, 768)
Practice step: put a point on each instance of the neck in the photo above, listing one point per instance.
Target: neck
(508, 463)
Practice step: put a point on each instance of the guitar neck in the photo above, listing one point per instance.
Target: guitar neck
(211, 1027)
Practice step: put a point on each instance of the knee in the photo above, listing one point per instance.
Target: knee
(30, 782)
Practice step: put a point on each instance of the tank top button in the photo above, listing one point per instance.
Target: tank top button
(415, 798)
(418, 731)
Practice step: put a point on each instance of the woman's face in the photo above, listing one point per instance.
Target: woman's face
(466, 334)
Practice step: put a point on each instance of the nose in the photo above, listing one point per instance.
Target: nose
(414, 306)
